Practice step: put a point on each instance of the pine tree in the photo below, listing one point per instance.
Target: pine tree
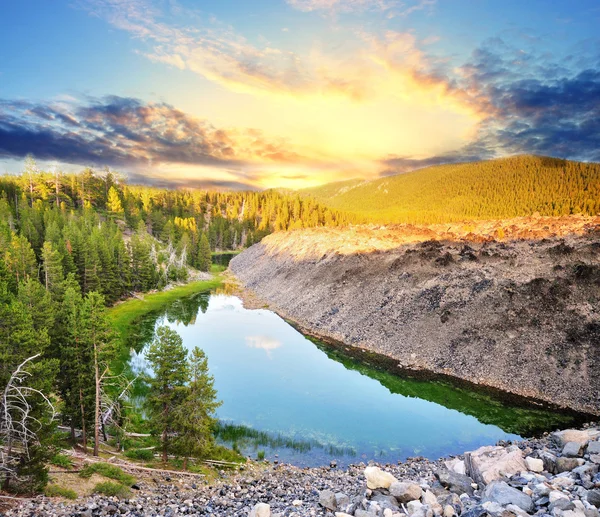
(204, 255)
(98, 338)
(167, 358)
(114, 204)
(194, 417)
(52, 269)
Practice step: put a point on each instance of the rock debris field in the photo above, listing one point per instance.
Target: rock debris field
(556, 475)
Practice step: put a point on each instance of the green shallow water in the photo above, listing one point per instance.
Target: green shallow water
(307, 402)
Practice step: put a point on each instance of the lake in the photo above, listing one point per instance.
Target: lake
(308, 403)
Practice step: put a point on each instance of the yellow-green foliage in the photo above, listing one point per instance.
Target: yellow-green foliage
(111, 489)
(58, 491)
(108, 471)
(495, 189)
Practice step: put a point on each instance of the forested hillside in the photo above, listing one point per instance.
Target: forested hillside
(495, 189)
(69, 246)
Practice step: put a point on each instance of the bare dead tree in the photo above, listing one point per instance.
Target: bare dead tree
(18, 427)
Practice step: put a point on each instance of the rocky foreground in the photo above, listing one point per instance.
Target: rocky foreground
(514, 305)
(557, 475)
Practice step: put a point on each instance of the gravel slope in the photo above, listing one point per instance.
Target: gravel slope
(520, 315)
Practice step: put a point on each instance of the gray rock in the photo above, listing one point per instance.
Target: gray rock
(455, 482)
(593, 447)
(405, 492)
(593, 497)
(549, 460)
(572, 449)
(500, 492)
(328, 500)
(386, 501)
(341, 500)
(566, 464)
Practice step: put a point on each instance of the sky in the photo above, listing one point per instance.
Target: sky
(239, 94)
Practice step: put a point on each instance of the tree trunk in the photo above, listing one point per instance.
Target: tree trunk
(185, 463)
(97, 408)
(83, 431)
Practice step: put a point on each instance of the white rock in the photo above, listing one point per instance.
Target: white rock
(563, 481)
(456, 465)
(449, 511)
(297, 502)
(555, 495)
(413, 506)
(387, 513)
(261, 510)
(429, 498)
(377, 478)
(488, 463)
(342, 514)
(574, 435)
(534, 464)
(517, 511)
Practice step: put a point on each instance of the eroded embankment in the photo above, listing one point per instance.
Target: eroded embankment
(520, 315)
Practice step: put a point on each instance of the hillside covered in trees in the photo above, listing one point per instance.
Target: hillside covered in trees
(71, 244)
(495, 189)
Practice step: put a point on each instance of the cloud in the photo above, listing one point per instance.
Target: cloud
(122, 130)
(266, 343)
(393, 7)
(536, 105)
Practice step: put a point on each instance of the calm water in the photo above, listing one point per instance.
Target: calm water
(308, 403)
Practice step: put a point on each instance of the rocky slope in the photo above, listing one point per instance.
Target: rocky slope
(514, 305)
(556, 475)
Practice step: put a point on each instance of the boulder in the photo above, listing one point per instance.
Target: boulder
(561, 438)
(341, 500)
(593, 447)
(593, 497)
(572, 449)
(413, 507)
(549, 460)
(261, 510)
(377, 478)
(405, 492)
(490, 463)
(500, 492)
(328, 500)
(564, 464)
(456, 465)
(534, 464)
(455, 482)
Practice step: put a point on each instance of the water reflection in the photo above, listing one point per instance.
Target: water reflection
(309, 402)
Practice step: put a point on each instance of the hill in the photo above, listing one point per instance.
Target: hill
(494, 189)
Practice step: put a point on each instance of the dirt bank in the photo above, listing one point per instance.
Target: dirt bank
(521, 315)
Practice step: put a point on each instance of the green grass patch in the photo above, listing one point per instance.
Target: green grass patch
(59, 491)
(108, 471)
(61, 460)
(111, 489)
(140, 454)
(123, 315)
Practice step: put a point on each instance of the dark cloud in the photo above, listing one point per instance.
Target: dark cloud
(198, 183)
(537, 106)
(122, 131)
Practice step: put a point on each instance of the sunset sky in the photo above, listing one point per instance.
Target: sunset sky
(293, 93)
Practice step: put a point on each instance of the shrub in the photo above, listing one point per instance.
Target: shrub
(140, 454)
(58, 491)
(111, 489)
(61, 460)
(109, 471)
(260, 456)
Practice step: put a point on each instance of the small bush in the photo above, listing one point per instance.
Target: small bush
(140, 454)
(111, 489)
(61, 460)
(58, 491)
(260, 455)
(109, 471)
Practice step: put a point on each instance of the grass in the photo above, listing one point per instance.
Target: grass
(123, 315)
(59, 491)
(111, 489)
(108, 471)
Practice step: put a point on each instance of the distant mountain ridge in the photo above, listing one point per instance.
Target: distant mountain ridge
(493, 189)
